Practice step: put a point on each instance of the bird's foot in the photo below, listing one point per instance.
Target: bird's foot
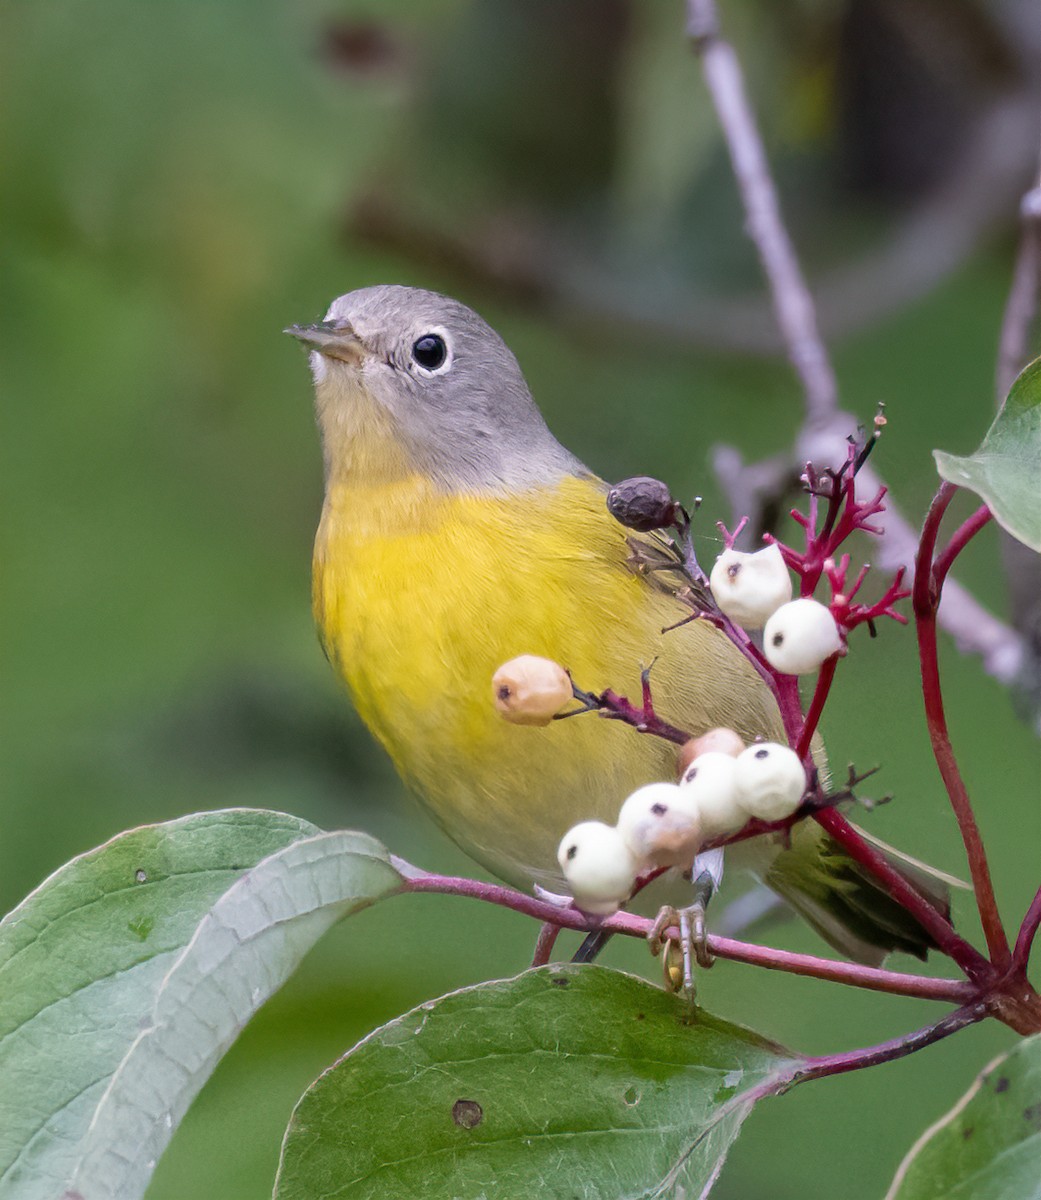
(692, 944)
(680, 954)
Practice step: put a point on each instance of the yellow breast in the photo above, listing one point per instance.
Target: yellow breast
(420, 596)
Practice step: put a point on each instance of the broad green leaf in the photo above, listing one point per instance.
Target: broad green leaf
(576, 1082)
(126, 975)
(1006, 470)
(243, 950)
(988, 1147)
(81, 961)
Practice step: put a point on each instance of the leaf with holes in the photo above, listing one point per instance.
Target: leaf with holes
(988, 1147)
(564, 1081)
(127, 974)
(1005, 470)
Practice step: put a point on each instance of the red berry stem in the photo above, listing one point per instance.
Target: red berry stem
(939, 928)
(926, 600)
(820, 696)
(1025, 940)
(959, 540)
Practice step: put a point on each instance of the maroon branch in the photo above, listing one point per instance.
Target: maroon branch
(959, 540)
(936, 925)
(926, 599)
(1025, 940)
(806, 1067)
(875, 979)
(822, 1066)
(614, 707)
(825, 677)
(544, 944)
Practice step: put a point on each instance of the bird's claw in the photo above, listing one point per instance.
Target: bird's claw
(679, 954)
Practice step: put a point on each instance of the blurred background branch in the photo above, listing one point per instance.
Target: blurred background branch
(913, 118)
(822, 439)
(1023, 565)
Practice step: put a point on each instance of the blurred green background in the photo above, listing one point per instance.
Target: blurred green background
(181, 181)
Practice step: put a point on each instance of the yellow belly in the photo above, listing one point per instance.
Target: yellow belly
(419, 597)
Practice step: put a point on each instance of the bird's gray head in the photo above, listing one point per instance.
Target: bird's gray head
(409, 380)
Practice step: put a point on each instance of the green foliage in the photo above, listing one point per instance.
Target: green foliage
(988, 1147)
(129, 973)
(563, 1081)
(1006, 469)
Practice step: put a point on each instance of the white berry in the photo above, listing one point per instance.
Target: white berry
(711, 785)
(660, 825)
(750, 587)
(770, 781)
(599, 867)
(530, 690)
(800, 636)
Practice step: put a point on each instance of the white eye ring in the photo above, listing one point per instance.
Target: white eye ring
(431, 352)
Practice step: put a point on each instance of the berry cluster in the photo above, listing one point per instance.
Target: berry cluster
(723, 784)
(664, 825)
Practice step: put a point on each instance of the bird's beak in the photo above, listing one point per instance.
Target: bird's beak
(334, 339)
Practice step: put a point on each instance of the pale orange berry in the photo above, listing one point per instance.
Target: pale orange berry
(530, 690)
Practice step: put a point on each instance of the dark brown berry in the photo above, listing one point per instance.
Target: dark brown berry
(643, 504)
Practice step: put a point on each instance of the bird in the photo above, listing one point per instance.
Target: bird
(456, 534)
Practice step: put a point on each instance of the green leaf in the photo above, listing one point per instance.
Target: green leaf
(988, 1147)
(128, 973)
(564, 1081)
(1006, 469)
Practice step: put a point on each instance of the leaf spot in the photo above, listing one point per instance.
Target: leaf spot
(1001, 1085)
(141, 876)
(631, 1096)
(467, 1113)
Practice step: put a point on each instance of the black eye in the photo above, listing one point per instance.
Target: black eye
(430, 351)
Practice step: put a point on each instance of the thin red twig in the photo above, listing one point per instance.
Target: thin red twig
(1025, 940)
(874, 979)
(871, 1056)
(544, 944)
(804, 1068)
(820, 696)
(854, 974)
(961, 537)
(926, 599)
(937, 926)
(612, 706)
